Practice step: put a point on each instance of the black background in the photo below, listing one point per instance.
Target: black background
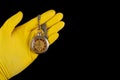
(64, 56)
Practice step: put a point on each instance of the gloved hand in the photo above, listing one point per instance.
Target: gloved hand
(15, 53)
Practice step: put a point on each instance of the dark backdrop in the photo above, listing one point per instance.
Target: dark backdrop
(61, 60)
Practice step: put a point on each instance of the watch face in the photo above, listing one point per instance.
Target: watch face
(39, 44)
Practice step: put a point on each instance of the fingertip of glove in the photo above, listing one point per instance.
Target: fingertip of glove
(63, 23)
(53, 38)
(20, 13)
(57, 34)
(52, 11)
(59, 15)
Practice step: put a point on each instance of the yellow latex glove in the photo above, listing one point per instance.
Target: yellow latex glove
(15, 53)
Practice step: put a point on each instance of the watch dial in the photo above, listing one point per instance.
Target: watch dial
(39, 44)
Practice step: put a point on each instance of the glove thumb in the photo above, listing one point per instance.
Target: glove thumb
(10, 24)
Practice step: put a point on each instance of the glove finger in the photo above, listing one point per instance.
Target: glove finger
(33, 23)
(53, 38)
(55, 28)
(54, 20)
(10, 24)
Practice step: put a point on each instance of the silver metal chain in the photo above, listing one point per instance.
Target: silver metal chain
(39, 27)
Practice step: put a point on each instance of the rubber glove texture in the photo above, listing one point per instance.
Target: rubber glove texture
(15, 53)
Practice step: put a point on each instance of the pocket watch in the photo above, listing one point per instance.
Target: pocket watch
(40, 42)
